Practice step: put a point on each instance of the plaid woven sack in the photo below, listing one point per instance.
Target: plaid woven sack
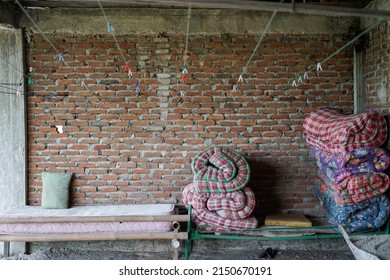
(328, 129)
(220, 169)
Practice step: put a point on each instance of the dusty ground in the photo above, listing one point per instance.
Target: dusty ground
(202, 250)
(66, 254)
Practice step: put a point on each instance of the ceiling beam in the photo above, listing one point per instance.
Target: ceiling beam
(302, 8)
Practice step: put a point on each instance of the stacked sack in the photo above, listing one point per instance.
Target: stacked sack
(351, 167)
(219, 196)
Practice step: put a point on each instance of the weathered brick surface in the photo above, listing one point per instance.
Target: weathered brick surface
(376, 70)
(128, 147)
(376, 74)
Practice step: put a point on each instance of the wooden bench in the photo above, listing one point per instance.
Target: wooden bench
(175, 235)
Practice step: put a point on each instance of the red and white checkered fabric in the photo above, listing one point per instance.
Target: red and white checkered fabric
(220, 169)
(225, 211)
(331, 130)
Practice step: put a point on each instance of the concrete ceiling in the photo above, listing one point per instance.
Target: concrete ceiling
(182, 3)
(353, 8)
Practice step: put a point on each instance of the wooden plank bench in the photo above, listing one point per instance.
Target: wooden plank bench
(175, 235)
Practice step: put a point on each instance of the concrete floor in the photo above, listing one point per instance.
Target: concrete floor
(332, 249)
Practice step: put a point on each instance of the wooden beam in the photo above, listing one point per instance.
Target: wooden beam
(97, 219)
(50, 237)
(250, 5)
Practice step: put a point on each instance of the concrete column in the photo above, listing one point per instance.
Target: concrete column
(12, 124)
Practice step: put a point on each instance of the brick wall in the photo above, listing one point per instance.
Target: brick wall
(377, 69)
(129, 147)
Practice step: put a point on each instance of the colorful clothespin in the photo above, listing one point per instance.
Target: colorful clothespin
(30, 81)
(294, 83)
(60, 58)
(306, 76)
(240, 79)
(110, 28)
(319, 67)
(300, 79)
(136, 87)
(128, 69)
(52, 94)
(183, 78)
(184, 70)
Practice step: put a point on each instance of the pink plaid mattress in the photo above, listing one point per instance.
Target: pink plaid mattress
(220, 169)
(27, 211)
(330, 130)
(221, 211)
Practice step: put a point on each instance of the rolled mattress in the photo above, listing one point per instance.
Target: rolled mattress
(28, 211)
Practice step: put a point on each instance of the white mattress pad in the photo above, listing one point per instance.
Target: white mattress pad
(27, 211)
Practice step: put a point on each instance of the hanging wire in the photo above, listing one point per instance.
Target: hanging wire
(372, 26)
(245, 68)
(112, 32)
(17, 69)
(259, 42)
(11, 88)
(187, 35)
(11, 93)
(61, 58)
(357, 37)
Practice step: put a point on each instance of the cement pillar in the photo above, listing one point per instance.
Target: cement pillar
(12, 124)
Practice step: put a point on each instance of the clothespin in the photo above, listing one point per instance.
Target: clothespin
(18, 92)
(240, 79)
(60, 58)
(234, 88)
(136, 87)
(128, 69)
(183, 78)
(30, 81)
(110, 28)
(83, 83)
(306, 76)
(184, 70)
(294, 83)
(52, 94)
(300, 79)
(319, 67)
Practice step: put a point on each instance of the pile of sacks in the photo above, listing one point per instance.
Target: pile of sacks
(219, 196)
(351, 166)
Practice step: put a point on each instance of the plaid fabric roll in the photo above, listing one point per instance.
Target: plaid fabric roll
(338, 167)
(220, 170)
(208, 222)
(366, 215)
(330, 130)
(229, 211)
(356, 188)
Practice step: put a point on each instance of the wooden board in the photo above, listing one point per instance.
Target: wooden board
(290, 220)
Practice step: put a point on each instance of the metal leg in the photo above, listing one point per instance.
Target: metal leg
(187, 249)
(6, 249)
